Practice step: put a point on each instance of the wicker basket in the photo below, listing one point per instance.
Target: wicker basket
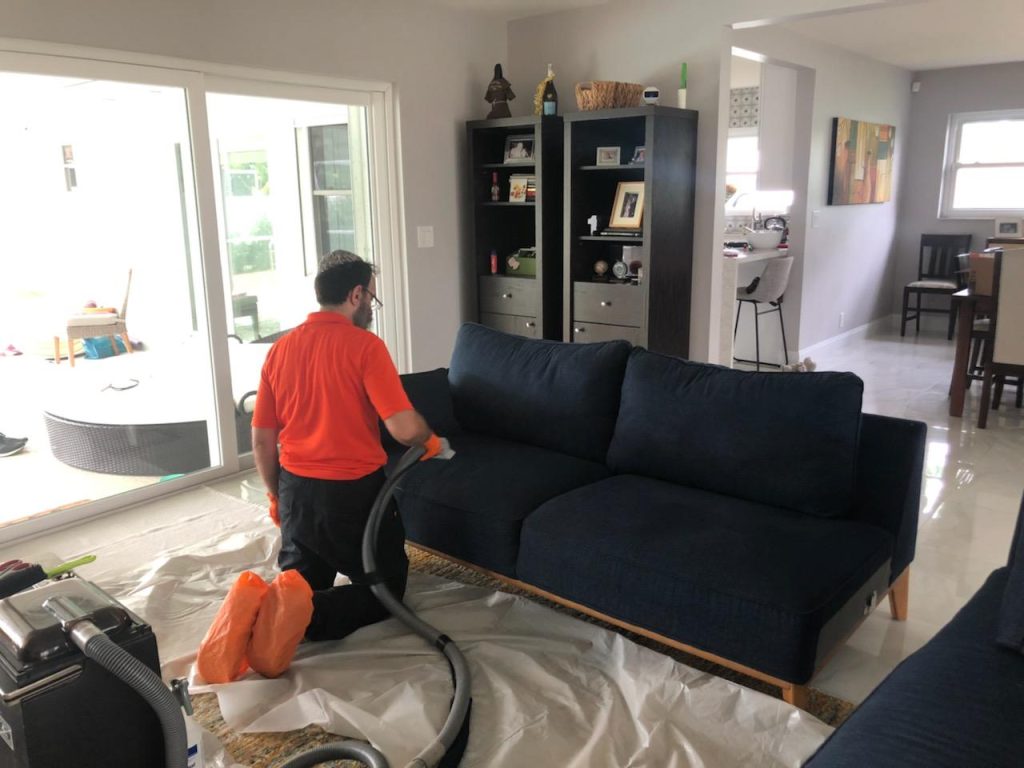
(607, 94)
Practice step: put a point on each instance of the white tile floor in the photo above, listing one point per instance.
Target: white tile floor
(971, 494)
(974, 479)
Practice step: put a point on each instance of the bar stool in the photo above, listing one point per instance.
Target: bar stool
(766, 289)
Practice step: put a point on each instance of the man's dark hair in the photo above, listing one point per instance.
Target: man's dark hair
(336, 281)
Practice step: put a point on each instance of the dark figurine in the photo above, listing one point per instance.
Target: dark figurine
(499, 94)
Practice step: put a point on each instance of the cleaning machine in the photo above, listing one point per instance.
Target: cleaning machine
(80, 677)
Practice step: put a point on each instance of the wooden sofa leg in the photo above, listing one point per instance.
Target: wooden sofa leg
(797, 695)
(899, 596)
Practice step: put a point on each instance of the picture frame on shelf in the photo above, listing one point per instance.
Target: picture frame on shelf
(608, 156)
(628, 209)
(1009, 227)
(519, 149)
(518, 187)
(639, 156)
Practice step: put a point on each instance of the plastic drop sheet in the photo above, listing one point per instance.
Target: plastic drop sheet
(548, 689)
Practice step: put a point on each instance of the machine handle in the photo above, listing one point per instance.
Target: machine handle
(506, 295)
(530, 324)
(578, 330)
(606, 303)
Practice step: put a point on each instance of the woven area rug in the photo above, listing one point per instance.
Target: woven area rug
(268, 750)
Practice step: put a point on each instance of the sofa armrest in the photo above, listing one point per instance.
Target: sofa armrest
(1017, 542)
(890, 465)
(1010, 633)
(430, 395)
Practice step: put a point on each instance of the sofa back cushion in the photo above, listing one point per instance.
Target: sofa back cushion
(431, 396)
(786, 439)
(564, 397)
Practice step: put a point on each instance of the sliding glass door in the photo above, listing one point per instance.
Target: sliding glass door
(106, 367)
(161, 227)
(293, 184)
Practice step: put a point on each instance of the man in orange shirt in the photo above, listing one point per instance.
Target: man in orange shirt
(322, 389)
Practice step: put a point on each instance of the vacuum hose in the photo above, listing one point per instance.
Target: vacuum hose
(109, 655)
(433, 753)
(339, 750)
(430, 755)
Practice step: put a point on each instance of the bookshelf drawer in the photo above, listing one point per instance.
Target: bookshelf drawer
(508, 295)
(588, 332)
(612, 303)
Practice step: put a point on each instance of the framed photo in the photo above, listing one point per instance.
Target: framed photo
(639, 155)
(628, 211)
(1009, 228)
(519, 149)
(518, 186)
(608, 155)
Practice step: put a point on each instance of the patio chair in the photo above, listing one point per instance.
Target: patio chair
(89, 325)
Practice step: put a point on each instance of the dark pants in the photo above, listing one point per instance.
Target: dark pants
(322, 524)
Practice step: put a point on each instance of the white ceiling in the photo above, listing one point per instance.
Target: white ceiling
(928, 34)
(517, 9)
(913, 34)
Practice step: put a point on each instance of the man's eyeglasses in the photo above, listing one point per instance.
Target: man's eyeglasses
(376, 302)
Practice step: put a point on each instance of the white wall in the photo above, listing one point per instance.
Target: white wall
(644, 42)
(745, 73)
(847, 263)
(944, 92)
(778, 126)
(440, 61)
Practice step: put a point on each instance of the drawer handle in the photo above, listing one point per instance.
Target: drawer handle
(606, 303)
(531, 325)
(506, 295)
(578, 330)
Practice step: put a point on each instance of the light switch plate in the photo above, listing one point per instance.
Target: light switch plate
(425, 237)
(815, 219)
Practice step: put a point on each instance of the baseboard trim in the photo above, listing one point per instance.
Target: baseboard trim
(886, 321)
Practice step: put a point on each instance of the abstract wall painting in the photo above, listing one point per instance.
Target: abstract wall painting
(862, 167)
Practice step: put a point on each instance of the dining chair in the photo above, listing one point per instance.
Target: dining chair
(90, 325)
(938, 274)
(767, 289)
(1005, 355)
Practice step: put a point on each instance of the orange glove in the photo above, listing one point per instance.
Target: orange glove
(437, 447)
(274, 514)
(433, 446)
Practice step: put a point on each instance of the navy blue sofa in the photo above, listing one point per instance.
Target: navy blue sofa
(959, 700)
(753, 519)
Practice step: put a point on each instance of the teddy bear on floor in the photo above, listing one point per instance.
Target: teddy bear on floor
(804, 366)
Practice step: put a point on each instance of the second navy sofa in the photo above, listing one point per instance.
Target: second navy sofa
(754, 519)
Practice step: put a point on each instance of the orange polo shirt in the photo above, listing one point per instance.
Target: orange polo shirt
(323, 386)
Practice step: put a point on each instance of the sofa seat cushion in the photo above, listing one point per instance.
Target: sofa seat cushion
(472, 507)
(782, 439)
(564, 397)
(958, 701)
(739, 579)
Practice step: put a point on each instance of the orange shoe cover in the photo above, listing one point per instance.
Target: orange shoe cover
(284, 616)
(222, 652)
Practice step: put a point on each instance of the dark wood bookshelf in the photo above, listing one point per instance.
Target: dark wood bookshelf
(655, 311)
(623, 167)
(529, 306)
(506, 166)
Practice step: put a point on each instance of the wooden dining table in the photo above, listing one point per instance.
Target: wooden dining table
(968, 305)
